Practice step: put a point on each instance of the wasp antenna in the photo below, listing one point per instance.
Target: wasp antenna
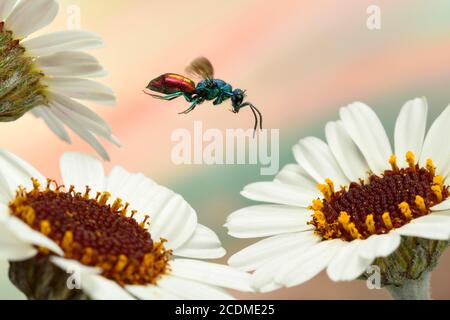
(256, 121)
(260, 117)
(255, 112)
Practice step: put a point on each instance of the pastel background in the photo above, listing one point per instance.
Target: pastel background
(299, 60)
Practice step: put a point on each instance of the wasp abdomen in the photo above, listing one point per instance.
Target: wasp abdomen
(171, 83)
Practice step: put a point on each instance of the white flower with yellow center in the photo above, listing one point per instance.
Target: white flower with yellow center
(350, 203)
(111, 237)
(45, 74)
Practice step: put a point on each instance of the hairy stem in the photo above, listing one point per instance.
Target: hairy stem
(412, 289)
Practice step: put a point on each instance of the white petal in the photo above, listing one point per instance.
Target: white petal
(17, 172)
(347, 154)
(267, 220)
(379, 246)
(80, 130)
(366, 130)
(444, 205)
(295, 175)
(203, 244)
(434, 227)
(306, 264)
(6, 7)
(263, 279)
(30, 236)
(410, 129)
(435, 147)
(71, 266)
(77, 109)
(316, 158)
(94, 285)
(13, 248)
(98, 287)
(171, 217)
(191, 290)
(131, 187)
(275, 192)
(347, 265)
(52, 122)
(6, 192)
(211, 274)
(256, 255)
(72, 40)
(82, 89)
(30, 16)
(151, 292)
(81, 170)
(83, 117)
(69, 64)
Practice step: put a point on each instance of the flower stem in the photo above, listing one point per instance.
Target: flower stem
(412, 289)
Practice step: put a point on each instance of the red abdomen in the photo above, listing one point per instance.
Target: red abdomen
(171, 83)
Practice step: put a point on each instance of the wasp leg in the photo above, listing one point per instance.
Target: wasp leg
(168, 97)
(191, 108)
(218, 101)
(189, 97)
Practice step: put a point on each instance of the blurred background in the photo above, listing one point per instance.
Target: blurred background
(300, 62)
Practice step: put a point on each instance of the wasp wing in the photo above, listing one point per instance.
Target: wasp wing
(202, 68)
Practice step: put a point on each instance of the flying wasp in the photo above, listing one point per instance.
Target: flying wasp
(173, 86)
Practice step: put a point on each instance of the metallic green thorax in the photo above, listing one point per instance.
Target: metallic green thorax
(20, 85)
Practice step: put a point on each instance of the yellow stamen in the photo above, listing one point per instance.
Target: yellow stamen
(431, 167)
(439, 181)
(437, 191)
(370, 223)
(142, 224)
(317, 205)
(330, 184)
(86, 193)
(104, 198)
(124, 210)
(420, 203)
(121, 264)
(411, 160)
(45, 227)
(29, 216)
(116, 205)
(36, 186)
(354, 231)
(325, 189)
(387, 220)
(67, 242)
(87, 257)
(393, 162)
(320, 219)
(344, 220)
(149, 259)
(405, 210)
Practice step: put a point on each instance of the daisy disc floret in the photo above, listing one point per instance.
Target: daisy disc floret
(120, 236)
(93, 232)
(386, 202)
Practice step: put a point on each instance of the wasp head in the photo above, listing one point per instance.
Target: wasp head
(236, 99)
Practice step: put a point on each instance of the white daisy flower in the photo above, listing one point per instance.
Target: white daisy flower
(370, 208)
(98, 229)
(47, 74)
